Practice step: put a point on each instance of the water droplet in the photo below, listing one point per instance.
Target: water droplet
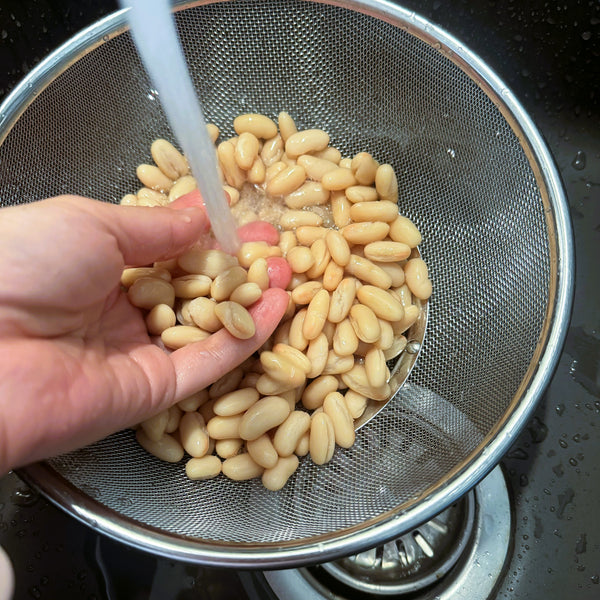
(595, 579)
(537, 430)
(581, 544)
(560, 409)
(105, 38)
(563, 444)
(451, 152)
(24, 497)
(34, 592)
(4, 34)
(579, 161)
(586, 35)
(523, 480)
(558, 470)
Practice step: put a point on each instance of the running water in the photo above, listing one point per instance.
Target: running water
(155, 36)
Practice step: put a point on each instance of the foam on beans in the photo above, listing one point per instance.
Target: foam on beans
(326, 228)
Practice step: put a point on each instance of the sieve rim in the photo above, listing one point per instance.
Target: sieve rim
(388, 525)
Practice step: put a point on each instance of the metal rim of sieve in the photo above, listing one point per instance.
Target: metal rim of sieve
(455, 484)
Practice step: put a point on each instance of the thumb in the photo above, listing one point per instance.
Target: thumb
(149, 234)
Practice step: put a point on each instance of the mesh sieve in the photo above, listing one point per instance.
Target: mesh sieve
(473, 175)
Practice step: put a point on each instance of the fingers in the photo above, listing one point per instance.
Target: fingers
(198, 365)
(145, 234)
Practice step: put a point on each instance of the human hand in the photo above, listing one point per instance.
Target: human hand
(76, 362)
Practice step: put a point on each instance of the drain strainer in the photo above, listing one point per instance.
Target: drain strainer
(413, 561)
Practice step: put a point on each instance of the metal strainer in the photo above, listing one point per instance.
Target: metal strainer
(475, 177)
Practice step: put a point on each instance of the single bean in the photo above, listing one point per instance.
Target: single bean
(361, 194)
(383, 210)
(159, 318)
(128, 200)
(386, 339)
(307, 234)
(288, 434)
(337, 364)
(229, 447)
(332, 276)
(417, 278)
(246, 150)
(300, 259)
(226, 383)
(152, 177)
(386, 251)
(345, 341)
(368, 272)
(193, 434)
(147, 292)
(155, 426)
(317, 389)
(202, 313)
(355, 403)
(316, 315)
(262, 451)
(148, 197)
(281, 369)
(262, 416)
(257, 173)
(209, 262)
(305, 292)
(365, 323)
(356, 379)
(246, 294)
(167, 448)
(303, 446)
(306, 142)
(236, 319)
(224, 428)
(130, 275)
(206, 467)
(191, 286)
(224, 283)
(287, 126)
(331, 154)
(258, 125)
(411, 314)
(316, 167)
(236, 402)
(365, 233)
(233, 174)
(194, 402)
(272, 150)
(213, 132)
(386, 183)
(168, 159)
(381, 302)
(181, 335)
(338, 247)
(241, 468)
(340, 209)
(276, 477)
(317, 353)
(184, 185)
(322, 438)
(396, 348)
(287, 240)
(375, 367)
(286, 181)
(267, 386)
(291, 219)
(293, 355)
(339, 179)
(342, 299)
(364, 167)
(335, 408)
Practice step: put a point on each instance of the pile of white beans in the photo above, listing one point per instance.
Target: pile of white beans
(356, 287)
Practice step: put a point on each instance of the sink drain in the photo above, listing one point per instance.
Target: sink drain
(458, 554)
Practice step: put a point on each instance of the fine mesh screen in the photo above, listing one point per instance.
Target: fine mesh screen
(464, 179)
